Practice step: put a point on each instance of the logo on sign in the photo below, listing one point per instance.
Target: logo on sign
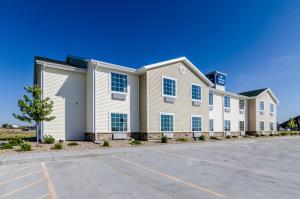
(221, 79)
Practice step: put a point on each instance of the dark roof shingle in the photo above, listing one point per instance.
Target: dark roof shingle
(254, 92)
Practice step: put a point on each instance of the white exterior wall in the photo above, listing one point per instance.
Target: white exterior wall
(106, 105)
(216, 113)
(67, 90)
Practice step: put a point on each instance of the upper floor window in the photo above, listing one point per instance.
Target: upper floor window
(119, 82)
(271, 126)
(169, 87)
(166, 122)
(196, 92)
(211, 98)
(226, 101)
(242, 126)
(261, 126)
(227, 125)
(262, 106)
(196, 123)
(211, 125)
(119, 122)
(242, 104)
(271, 108)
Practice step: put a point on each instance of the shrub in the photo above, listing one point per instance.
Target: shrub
(15, 141)
(58, 146)
(182, 139)
(72, 144)
(48, 139)
(6, 146)
(135, 142)
(214, 138)
(284, 133)
(235, 136)
(25, 146)
(164, 139)
(202, 137)
(61, 141)
(257, 135)
(106, 144)
(228, 136)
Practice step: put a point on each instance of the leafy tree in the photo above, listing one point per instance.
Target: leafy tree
(292, 124)
(5, 126)
(34, 108)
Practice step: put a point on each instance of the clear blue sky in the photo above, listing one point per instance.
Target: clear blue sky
(257, 43)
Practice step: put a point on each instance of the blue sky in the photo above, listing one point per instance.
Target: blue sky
(257, 43)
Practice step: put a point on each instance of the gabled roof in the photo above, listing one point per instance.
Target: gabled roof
(180, 59)
(253, 93)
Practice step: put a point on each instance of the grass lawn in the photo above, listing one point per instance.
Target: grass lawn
(12, 133)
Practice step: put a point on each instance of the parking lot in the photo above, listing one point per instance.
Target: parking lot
(250, 168)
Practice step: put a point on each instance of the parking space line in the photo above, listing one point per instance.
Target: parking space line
(19, 177)
(219, 163)
(19, 169)
(189, 184)
(20, 189)
(50, 185)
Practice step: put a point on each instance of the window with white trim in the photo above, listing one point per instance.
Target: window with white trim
(196, 92)
(166, 122)
(196, 123)
(271, 108)
(211, 125)
(227, 125)
(226, 101)
(242, 104)
(119, 82)
(261, 126)
(242, 126)
(271, 126)
(261, 106)
(169, 87)
(119, 122)
(211, 99)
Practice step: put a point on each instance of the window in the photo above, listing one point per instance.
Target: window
(196, 92)
(169, 87)
(119, 122)
(227, 102)
(211, 99)
(242, 126)
(262, 106)
(196, 123)
(271, 126)
(118, 83)
(271, 108)
(166, 122)
(242, 104)
(211, 125)
(261, 126)
(227, 125)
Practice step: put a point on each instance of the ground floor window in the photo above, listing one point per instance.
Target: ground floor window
(227, 125)
(271, 126)
(196, 123)
(242, 126)
(211, 125)
(119, 122)
(261, 126)
(166, 122)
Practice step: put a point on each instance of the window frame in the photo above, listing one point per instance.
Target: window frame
(110, 80)
(195, 84)
(226, 96)
(209, 129)
(210, 93)
(260, 106)
(171, 114)
(225, 125)
(197, 116)
(272, 126)
(128, 121)
(243, 125)
(162, 86)
(271, 104)
(260, 129)
(244, 107)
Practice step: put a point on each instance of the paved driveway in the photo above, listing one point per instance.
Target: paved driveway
(266, 168)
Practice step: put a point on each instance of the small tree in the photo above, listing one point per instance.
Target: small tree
(34, 108)
(292, 124)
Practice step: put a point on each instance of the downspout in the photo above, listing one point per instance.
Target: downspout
(41, 124)
(94, 103)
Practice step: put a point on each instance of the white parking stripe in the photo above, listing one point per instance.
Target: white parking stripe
(50, 185)
(219, 163)
(18, 169)
(19, 177)
(20, 189)
(203, 189)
